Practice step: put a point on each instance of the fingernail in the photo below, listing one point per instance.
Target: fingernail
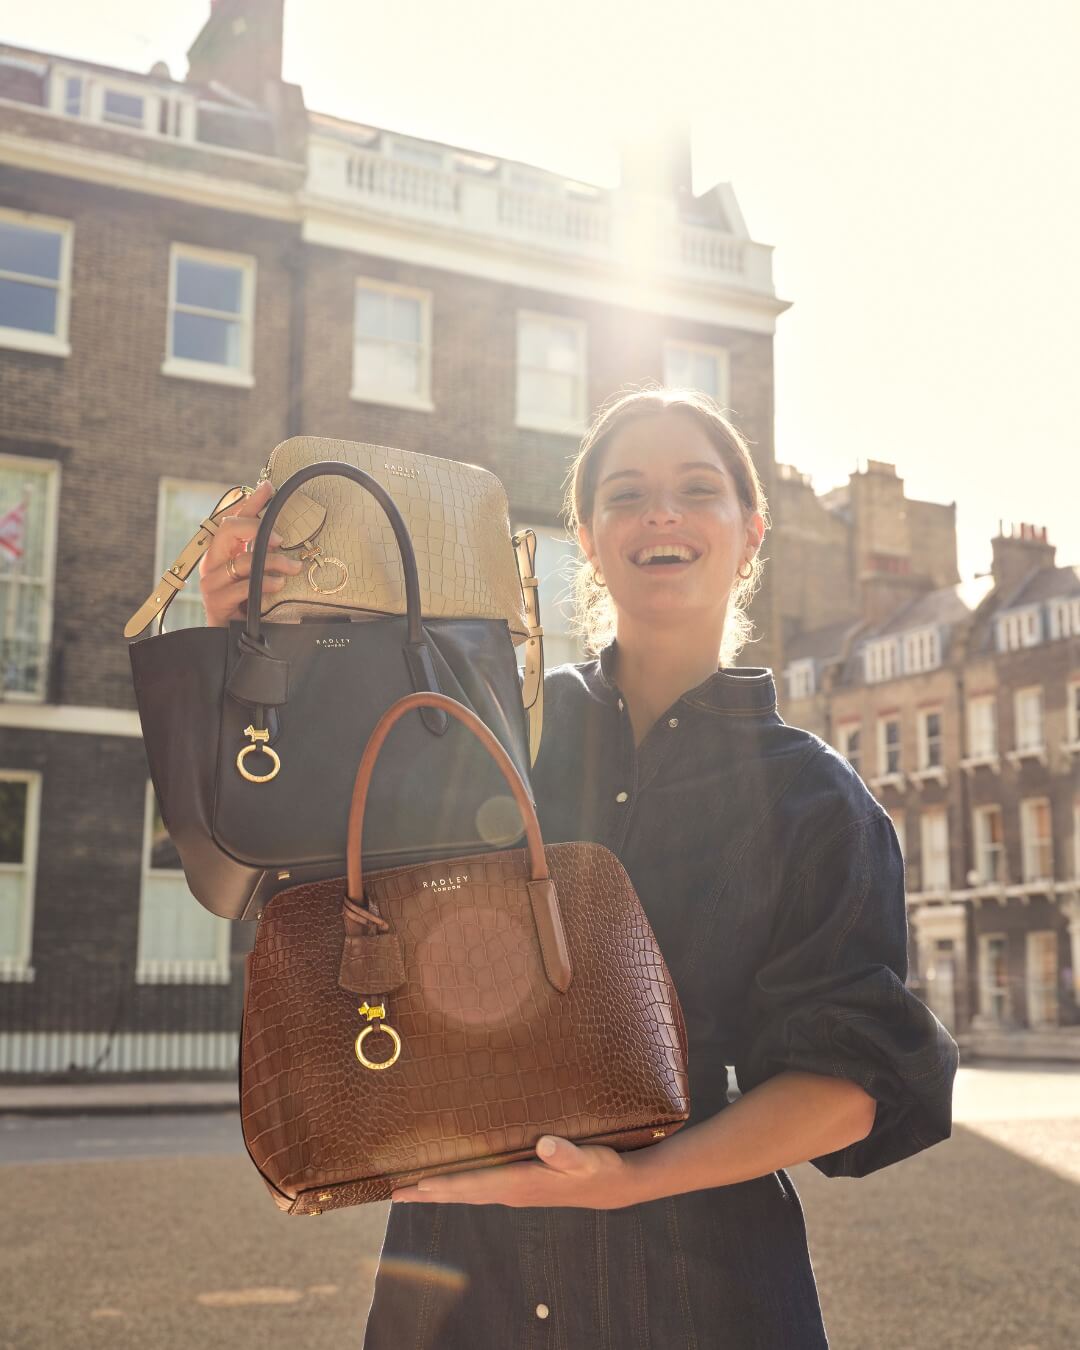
(276, 540)
(546, 1148)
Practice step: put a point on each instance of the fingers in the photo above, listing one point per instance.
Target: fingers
(560, 1154)
(254, 502)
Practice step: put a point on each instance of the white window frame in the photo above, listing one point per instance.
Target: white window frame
(884, 771)
(533, 421)
(1072, 714)
(421, 401)
(1064, 615)
(1037, 851)
(1024, 744)
(924, 738)
(1076, 861)
(213, 493)
(991, 993)
(17, 968)
(150, 970)
(934, 877)
(844, 733)
(50, 470)
(55, 343)
(978, 749)
(996, 874)
(209, 371)
(720, 355)
(922, 650)
(800, 678)
(881, 660)
(1019, 628)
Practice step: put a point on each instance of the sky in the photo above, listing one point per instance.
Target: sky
(913, 163)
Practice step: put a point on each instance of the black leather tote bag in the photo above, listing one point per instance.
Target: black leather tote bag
(253, 734)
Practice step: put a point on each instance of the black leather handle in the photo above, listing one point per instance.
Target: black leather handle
(337, 469)
(260, 679)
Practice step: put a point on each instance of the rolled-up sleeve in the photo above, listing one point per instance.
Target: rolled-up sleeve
(830, 998)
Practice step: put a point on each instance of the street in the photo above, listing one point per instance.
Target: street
(154, 1232)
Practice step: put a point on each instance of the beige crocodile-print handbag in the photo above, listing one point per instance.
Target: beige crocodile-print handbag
(458, 520)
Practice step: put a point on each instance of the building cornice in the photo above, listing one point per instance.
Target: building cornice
(66, 717)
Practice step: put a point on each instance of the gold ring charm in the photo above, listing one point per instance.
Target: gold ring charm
(378, 1063)
(259, 741)
(324, 560)
(230, 567)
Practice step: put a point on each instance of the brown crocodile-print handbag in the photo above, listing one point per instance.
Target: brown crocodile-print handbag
(435, 1018)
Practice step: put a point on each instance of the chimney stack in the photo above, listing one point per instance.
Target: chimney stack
(1022, 550)
(240, 46)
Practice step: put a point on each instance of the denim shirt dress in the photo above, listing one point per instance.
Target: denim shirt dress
(775, 886)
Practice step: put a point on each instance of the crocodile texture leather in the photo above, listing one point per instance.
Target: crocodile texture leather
(457, 517)
(493, 1055)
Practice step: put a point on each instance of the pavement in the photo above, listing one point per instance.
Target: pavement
(117, 1099)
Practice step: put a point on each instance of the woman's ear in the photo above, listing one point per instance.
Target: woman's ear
(755, 533)
(585, 540)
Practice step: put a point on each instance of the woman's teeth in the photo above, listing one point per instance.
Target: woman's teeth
(664, 553)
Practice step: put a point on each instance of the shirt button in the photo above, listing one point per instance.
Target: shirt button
(673, 721)
(542, 1310)
(621, 796)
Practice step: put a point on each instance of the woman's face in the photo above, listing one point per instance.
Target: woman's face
(668, 532)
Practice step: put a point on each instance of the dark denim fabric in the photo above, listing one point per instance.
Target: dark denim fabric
(774, 884)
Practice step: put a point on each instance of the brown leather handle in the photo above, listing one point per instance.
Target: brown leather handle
(537, 861)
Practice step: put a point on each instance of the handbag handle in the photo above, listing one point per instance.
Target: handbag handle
(259, 679)
(543, 896)
(335, 468)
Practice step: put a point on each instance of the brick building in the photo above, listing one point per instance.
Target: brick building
(959, 703)
(191, 271)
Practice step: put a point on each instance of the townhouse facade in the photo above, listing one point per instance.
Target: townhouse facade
(959, 705)
(190, 272)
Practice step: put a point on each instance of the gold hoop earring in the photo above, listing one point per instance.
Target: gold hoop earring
(745, 576)
(597, 578)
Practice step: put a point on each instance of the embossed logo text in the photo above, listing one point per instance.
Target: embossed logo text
(332, 641)
(452, 883)
(401, 473)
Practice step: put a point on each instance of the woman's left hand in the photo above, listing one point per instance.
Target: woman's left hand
(586, 1177)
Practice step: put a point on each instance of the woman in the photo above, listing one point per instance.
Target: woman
(774, 884)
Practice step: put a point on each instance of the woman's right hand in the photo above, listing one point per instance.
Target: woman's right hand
(226, 565)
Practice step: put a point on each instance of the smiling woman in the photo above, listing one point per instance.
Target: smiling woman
(774, 885)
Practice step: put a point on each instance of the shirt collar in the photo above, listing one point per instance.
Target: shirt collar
(733, 689)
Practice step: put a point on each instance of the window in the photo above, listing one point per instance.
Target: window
(20, 795)
(881, 660)
(849, 744)
(982, 726)
(1073, 712)
(1037, 839)
(123, 109)
(800, 675)
(889, 745)
(556, 561)
(28, 497)
(179, 941)
(392, 345)
(930, 752)
(989, 832)
(1041, 953)
(934, 838)
(1020, 628)
(73, 95)
(693, 365)
(922, 650)
(35, 282)
(211, 303)
(994, 977)
(1065, 617)
(1028, 708)
(181, 508)
(550, 373)
(1076, 859)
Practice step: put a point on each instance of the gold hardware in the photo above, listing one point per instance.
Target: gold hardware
(324, 1196)
(259, 741)
(659, 1134)
(312, 552)
(379, 1010)
(375, 1063)
(314, 1212)
(284, 876)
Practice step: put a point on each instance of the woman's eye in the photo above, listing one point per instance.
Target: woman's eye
(628, 496)
(701, 489)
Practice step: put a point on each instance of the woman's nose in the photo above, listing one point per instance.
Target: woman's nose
(661, 510)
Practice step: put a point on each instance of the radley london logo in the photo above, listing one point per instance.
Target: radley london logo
(452, 883)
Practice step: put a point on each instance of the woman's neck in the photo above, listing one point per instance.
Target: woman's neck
(655, 665)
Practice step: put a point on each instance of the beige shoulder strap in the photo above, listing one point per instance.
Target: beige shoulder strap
(532, 691)
(173, 580)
